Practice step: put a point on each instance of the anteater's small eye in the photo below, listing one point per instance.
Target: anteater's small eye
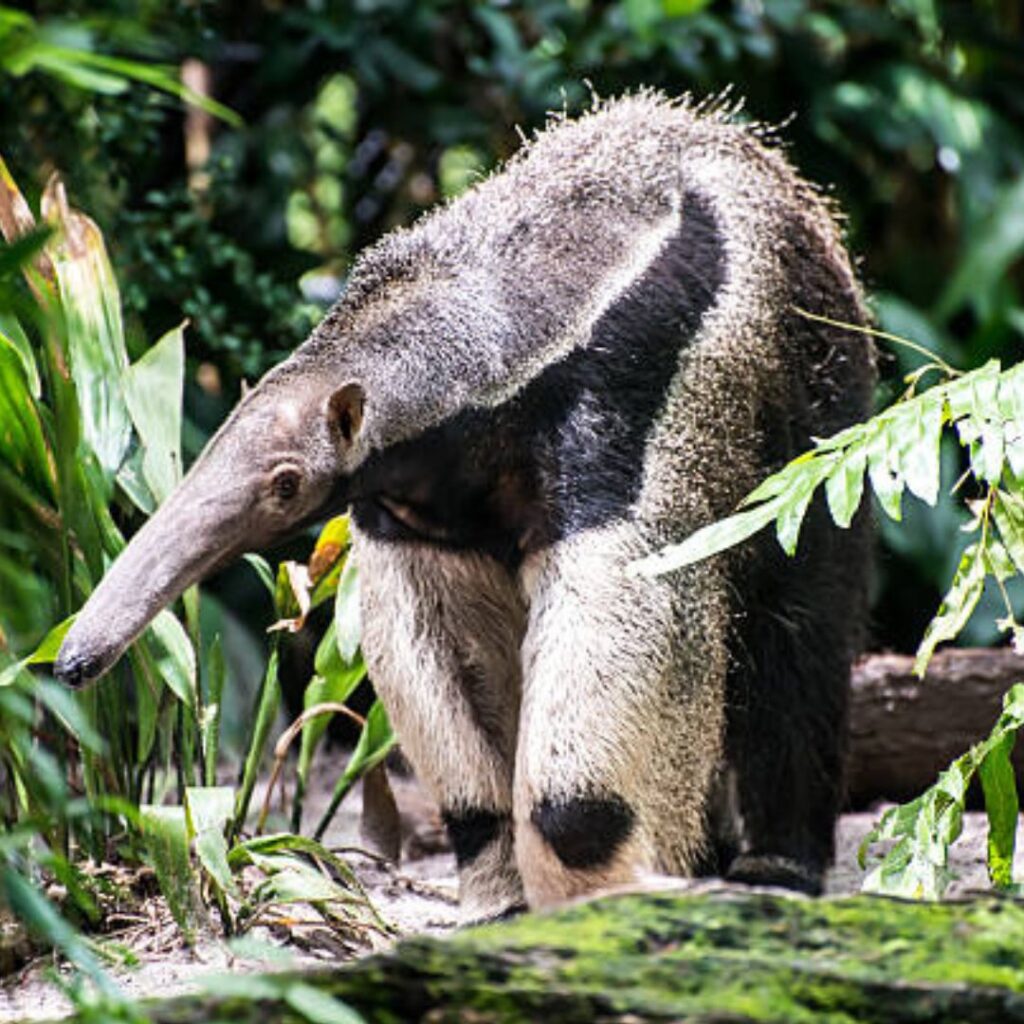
(285, 484)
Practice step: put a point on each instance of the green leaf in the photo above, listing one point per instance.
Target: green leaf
(22, 439)
(209, 810)
(709, 540)
(166, 834)
(95, 334)
(974, 394)
(999, 785)
(266, 712)
(1008, 513)
(341, 677)
(844, 486)
(154, 387)
(924, 829)
(174, 656)
(45, 653)
(919, 446)
(11, 334)
(288, 842)
(957, 606)
(883, 471)
(347, 614)
(683, 8)
(66, 705)
(795, 501)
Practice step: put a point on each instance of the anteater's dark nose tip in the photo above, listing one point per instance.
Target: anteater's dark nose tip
(76, 667)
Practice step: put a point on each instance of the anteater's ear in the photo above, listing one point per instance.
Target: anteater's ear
(345, 412)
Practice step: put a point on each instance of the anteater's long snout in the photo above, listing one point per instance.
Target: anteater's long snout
(183, 542)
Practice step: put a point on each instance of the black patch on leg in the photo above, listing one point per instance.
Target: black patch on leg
(584, 832)
(470, 830)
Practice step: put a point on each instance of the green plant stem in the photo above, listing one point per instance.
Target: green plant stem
(873, 332)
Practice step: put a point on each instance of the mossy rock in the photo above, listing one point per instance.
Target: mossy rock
(720, 956)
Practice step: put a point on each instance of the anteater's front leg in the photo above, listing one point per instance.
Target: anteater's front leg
(442, 631)
(622, 722)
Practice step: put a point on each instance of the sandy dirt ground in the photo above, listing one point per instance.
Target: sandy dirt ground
(418, 896)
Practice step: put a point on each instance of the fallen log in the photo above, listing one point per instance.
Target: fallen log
(718, 956)
(904, 731)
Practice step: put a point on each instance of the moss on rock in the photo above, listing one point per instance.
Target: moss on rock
(718, 956)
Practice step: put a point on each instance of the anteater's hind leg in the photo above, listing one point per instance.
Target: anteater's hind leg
(788, 693)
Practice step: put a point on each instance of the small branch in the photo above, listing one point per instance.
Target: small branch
(282, 745)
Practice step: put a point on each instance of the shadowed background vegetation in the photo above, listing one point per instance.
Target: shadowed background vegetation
(358, 116)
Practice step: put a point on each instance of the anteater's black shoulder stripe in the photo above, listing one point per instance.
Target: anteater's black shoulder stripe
(566, 453)
(594, 411)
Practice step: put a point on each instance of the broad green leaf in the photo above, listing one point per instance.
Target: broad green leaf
(95, 334)
(975, 393)
(22, 440)
(1008, 512)
(66, 705)
(342, 677)
(919, 447)
(292, 880)
(795, 501)
(999, 785)
(683, 8)
(132, 480)
(208, 811)
(11, 333)
(844, 486)
(957, 606)
(775, 485)
(154, 387)
(45, 653)
(149, 689)
(166, 834)
(883, 471)
(98, 72)
(998, 562)
(175, 658)
(347, 614)
(984, 441)
(709, 540)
